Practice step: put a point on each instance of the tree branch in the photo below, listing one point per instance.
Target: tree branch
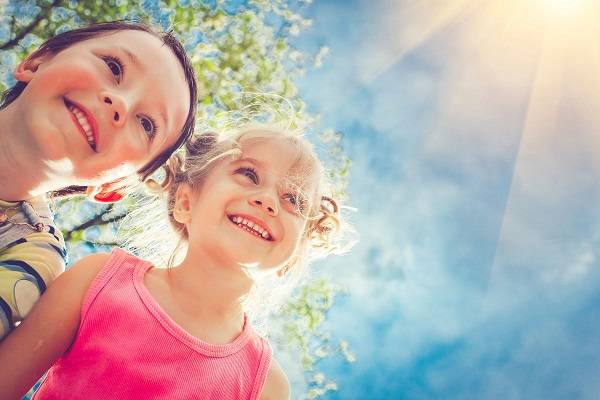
(113, 244)
(43, 14)
(96, 220)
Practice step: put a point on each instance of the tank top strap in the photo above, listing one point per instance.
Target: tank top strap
(121, 263)
(264, 362)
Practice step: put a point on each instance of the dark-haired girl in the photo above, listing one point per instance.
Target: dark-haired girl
(94, 109)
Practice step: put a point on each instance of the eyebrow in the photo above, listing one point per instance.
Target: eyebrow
(134, 59)
(287, 178)
(251, 160)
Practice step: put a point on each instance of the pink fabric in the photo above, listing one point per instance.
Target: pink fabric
(127, 347)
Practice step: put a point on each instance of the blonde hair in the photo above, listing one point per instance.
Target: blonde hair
(322, 234)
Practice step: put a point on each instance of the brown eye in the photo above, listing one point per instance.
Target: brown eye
(148, 125)
(115, 66)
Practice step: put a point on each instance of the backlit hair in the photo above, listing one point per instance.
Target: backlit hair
(163, 240)
(204, 151)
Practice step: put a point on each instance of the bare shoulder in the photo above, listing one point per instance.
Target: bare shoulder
(71, 286)
(88, 267)
(48, 330)
(277, 386)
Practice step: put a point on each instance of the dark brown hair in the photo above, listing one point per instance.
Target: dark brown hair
(66, 39)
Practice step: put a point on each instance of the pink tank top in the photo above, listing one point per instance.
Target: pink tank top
(127, 347)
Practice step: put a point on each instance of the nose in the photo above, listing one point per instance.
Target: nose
(266, 202)
(116, 107)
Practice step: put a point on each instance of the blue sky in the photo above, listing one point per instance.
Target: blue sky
(473, 128)
(473, 131)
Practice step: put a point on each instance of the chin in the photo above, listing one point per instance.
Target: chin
(62, 166)
(248, 264)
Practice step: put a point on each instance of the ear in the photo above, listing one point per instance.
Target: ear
(26, 69)
(105, 194)
(182, 209)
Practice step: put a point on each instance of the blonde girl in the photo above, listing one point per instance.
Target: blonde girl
(116, 326)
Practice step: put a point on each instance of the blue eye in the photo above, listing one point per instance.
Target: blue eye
(148, 125)
(291, 198)
(249, 173)
(115, 66)
(296, 200)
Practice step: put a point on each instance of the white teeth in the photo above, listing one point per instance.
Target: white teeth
(83, 121)
(251, 227)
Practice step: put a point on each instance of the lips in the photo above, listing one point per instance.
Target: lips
(252, 225)
(85, 122)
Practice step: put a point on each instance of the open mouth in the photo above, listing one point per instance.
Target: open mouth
(251, 227)
(85, 122)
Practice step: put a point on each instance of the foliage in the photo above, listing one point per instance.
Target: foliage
(237, 49)
(303, 318)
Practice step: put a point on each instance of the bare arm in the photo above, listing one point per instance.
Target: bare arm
(276, 386)
(48, 330)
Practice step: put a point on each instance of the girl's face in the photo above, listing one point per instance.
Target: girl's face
(102, 108)
(249, 211)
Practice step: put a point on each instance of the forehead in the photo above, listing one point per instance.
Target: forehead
(152, 71)
(284, 159)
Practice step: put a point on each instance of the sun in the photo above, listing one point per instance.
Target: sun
(565, 6)
(577, 20)
(534, 61)
(568, 13)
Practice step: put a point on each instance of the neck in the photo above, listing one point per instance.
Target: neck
(23, 173)
(211, 289)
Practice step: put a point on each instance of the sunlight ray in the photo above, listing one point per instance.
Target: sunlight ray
(426, 20)
(530, 170)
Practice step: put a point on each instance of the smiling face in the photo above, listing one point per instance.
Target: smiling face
(104, 106)
(249, 211)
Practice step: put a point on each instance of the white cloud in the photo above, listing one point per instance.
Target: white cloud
(436, 140)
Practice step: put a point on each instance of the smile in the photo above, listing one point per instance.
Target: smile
(251, 227)
(85, 122)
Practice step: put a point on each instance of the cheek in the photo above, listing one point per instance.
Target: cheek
(72, 75)
(126, 155)
(295, 232)
(128, 147)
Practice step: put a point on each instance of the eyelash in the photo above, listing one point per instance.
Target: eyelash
(249, 173)
(108, 59)
(152, 132)
(298, 203)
